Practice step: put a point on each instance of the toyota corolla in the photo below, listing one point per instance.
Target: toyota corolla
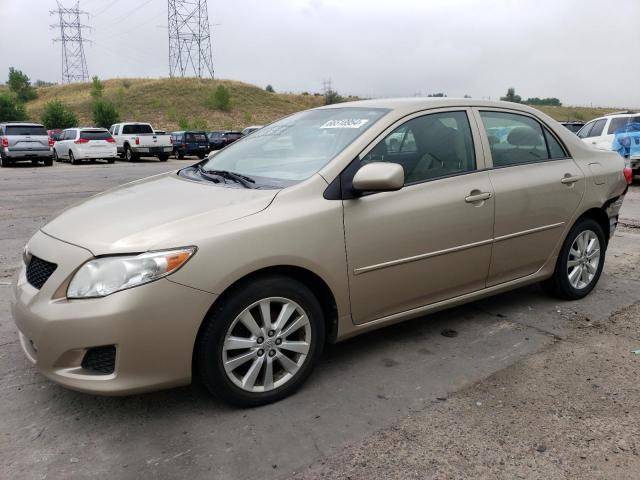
(323, 225)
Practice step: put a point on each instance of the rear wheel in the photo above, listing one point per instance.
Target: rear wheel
(163, 158)
(111, 160)
(262, 342)
(48, 162)
(34, 162)
(72, 158)
(201, 156)
(580, 261)
(129, 155)
(4, 162)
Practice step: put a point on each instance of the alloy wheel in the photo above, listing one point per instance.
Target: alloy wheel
(266, 344)
(584, 259)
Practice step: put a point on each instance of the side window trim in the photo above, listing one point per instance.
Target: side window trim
(485, 139)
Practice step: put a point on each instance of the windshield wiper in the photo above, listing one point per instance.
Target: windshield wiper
(243, 180)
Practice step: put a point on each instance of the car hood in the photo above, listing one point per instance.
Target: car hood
(163, 211)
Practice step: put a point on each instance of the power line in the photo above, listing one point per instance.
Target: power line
(74, 63)
(189, 38)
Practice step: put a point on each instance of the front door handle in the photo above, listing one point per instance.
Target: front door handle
(569, 179)
(477, 196)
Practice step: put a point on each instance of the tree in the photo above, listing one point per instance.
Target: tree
(20, 84)
(511, 96)
(97, 87)
(220, 99)
(438, 95)
(543, 101)
(331, 97)
(269, 89)
(11, 108)
(56, 115)
(104, 113)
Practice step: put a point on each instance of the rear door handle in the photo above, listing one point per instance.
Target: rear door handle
(569, 179)
(477, 197)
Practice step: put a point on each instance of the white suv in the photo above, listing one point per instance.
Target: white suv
(600, 133)
(77, 144)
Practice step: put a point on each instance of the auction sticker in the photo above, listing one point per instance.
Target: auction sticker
(345, 123)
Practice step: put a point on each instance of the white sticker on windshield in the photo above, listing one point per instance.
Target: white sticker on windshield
(345, 123)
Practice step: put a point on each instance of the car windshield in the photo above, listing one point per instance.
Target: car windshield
(296, 147)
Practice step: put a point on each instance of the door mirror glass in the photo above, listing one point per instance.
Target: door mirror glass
(379, 177)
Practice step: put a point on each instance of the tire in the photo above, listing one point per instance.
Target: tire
(72, 159)
(48, 162)
(129, 154)
(111, 160)
(201, 156)
(561, 284)
(163, 158)
(55, 156)
(34, 162)
(4, 162)
(180, 156)
(224, 319)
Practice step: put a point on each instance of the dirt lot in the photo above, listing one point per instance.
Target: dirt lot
(530, 385)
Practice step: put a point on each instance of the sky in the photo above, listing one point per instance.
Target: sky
(583, 52)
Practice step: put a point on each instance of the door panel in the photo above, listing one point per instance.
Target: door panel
(419, 245)
(533, 208)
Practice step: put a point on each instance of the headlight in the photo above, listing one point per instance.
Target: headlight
(106, 275)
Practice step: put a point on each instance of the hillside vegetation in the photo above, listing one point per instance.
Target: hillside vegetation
(164, 102)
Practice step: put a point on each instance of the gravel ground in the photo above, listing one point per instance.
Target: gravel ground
(570, 411)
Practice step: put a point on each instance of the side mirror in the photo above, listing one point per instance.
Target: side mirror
(379, 177)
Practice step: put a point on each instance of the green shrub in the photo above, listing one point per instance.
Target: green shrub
(20, 84)
(104, 113)
(56, 115)
(220, 99)
(183, 124)
(97, 88)
(11, 108)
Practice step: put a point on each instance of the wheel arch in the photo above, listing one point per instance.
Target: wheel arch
(313, 281)
(600, 216)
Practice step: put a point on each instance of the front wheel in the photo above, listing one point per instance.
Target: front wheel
(580, 261)
(129, 155)
(261, 343)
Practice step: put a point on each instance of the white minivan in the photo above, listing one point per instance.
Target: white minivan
(78, 144)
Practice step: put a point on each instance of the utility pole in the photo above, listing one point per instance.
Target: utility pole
(74, 63)
(189, 39)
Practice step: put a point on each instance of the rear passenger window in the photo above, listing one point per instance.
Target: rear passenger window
(428, 147)
(596, 131)
(516, 139)
(555, 149)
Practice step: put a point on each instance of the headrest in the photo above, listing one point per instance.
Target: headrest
(521, 136)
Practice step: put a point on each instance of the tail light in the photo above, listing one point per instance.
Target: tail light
(110, 140)
(628, 175)
(137, 140)
(81, 140)
(51, 142)
(5, 142)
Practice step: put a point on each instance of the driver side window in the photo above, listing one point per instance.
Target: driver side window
(428, 147)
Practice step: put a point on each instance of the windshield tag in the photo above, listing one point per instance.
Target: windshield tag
(345, 123)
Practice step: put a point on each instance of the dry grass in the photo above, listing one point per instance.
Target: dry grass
(163, 102)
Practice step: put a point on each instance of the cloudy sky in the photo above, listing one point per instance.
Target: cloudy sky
(582, 51)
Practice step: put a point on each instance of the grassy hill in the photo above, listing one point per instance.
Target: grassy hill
(164, 102)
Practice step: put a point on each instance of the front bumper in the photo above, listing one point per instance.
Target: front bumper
(153, 327)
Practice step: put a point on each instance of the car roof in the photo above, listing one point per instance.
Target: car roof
(415, 104)
(22, 124)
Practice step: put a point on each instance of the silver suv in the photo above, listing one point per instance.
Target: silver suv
(20, 141)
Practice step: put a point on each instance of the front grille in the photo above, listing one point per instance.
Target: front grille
(100, 360)
(39, 271)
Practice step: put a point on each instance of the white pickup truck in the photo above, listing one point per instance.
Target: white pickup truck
(135, 140)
